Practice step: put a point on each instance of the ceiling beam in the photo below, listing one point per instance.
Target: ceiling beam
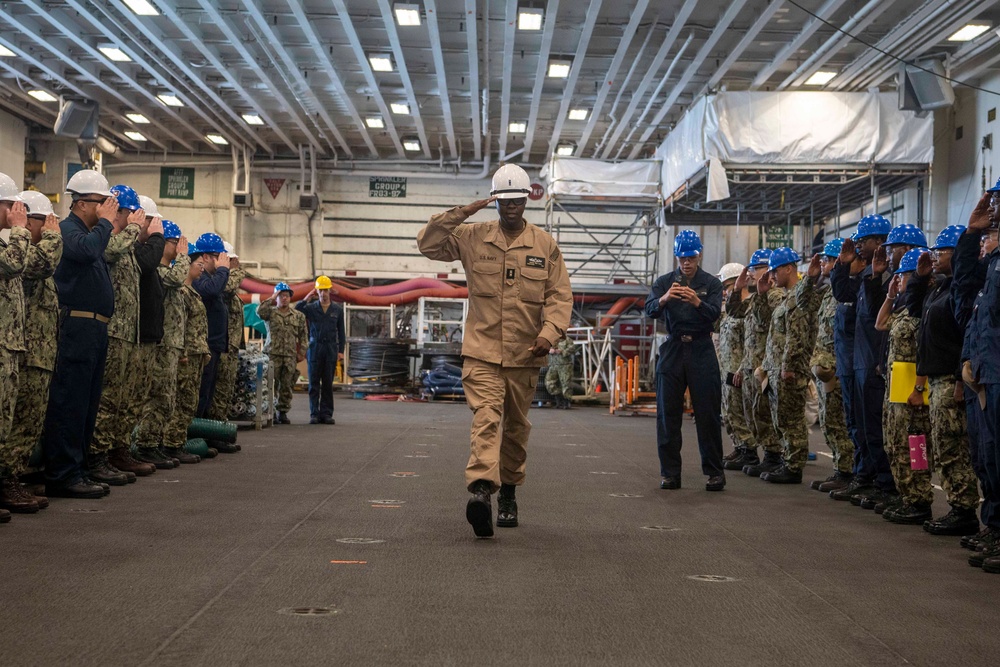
(510, 25)
(444, 97)
(304, 88)
(668, 41)
(609, 79)
(359, 52)
(472, 43)
(397, 50)
(197, 41)
(574, 73)
(720, 29)
(551, 10)
(813, 24)
(764, 17)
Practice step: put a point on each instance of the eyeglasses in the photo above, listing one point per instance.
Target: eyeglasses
(942, 251)
(520, 201)
(91, 201)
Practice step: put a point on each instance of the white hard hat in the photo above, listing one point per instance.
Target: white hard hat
(730, 271)
(88, 182)
(510, 182)
(37, 203)
(149, 207)
(230, 250)
(8, 189)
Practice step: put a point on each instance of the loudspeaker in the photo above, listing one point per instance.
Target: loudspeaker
(77, 119)
(242, 199)
(308, 202)
(920, 90)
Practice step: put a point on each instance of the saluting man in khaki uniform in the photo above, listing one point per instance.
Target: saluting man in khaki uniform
(520, 304)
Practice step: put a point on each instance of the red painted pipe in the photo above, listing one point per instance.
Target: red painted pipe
(617, 310)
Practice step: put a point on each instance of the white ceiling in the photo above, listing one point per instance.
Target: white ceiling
(466, 72)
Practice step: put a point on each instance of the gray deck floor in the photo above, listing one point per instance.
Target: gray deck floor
(194, 567)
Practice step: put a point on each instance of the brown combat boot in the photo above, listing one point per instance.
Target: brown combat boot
(28, 492)
(122, 459)
(14, 499)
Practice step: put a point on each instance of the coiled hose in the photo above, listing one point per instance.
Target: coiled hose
(379, 360)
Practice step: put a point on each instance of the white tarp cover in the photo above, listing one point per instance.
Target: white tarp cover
(575, 176)
(792, 128)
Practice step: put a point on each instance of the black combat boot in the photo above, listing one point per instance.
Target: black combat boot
(972, 541)
(988, 548)
(479, 510)
(783, 475)
(816, 483)
(771, 462)
(101, 471)
(748, 457)
(182, 456)
(154, 456)
(910, 514)
(507, 507)
(840, 481)
(857, 488)
(959, 521)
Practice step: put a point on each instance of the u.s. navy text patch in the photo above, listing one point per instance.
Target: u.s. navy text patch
(535, 262)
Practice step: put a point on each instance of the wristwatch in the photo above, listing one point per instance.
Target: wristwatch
(920, 388)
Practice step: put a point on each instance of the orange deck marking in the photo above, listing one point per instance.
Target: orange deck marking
(349, 562)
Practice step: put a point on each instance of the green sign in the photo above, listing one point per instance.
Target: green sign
(387, 187)
(778, 236)
(176, 183)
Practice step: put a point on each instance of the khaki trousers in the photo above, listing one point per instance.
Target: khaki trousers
(499, 398)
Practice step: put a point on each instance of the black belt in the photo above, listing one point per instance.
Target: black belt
(690, 338)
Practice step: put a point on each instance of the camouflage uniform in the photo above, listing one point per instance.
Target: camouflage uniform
(189, 369)
(163, 387)
(832, 418)
(897, 418)
(790, 341)
(114, 428)
(225, 385)
(950, 442)
(756, 312)
(559, 377)
(41, 331)
(287, 333)
(13, 257)
(730, 352)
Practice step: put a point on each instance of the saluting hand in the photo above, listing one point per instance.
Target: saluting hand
(848, 252)
(223, 260)
(477, 206)
(764, 283)
(138, 217)
(18, 215)
(741, 281)
(815, 269)
(893, 288)
(156, 226)
(925, 265)
(880, 262)
(108, 209)
(51, 224)
(313, 295)
(980, 219)
(182, 245)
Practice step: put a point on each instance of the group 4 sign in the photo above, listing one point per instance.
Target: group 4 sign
(387, 187)
(176, 183)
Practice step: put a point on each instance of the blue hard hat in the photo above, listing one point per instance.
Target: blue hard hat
(171, 230)
(687, 244)
(948, 238)
(906, 235)
(872, 225)
(781, 257)
(909, 261)
(127, 197)
(759, 257)
(832, 248)
(282, 287)
(996, 187)
(209, 242)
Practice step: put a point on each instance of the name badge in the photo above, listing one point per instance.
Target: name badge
(535, 262)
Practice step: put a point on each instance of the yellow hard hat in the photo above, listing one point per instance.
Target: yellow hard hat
(324, 283)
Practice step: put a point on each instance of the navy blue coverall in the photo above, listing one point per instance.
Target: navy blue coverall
(210, 286)
(84, 285)
(688, 361)
(867, 293)
(969, 289)
(326, 341)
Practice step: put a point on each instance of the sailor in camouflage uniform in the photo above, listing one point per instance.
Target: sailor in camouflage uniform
(730, 351)
(559, 376)
(41, 331)
(191, 365)
(287, 340)
(832, 414)
(913, 503)
(13, 255)
(786, 370)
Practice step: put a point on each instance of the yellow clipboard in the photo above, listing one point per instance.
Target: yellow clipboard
(902, 380)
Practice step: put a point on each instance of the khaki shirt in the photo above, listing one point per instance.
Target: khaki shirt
(516, 293)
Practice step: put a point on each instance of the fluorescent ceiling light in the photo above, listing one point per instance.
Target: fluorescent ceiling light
(578, 114)
(565, 149)
(407, 14)
(559, 69)
(170, 100)
(529, 19)
(381, 63)
(135, 136)
(142, 7)
(5, 52)
(137, 118)
(115, 54)
(517, 128)
(969, 32)
(374, 122)
(411, 145)
(820, 78)
(400, 108)
(43, 96)
(253, 119)
(217, 139)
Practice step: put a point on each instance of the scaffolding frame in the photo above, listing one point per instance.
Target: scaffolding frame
(424, 322)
